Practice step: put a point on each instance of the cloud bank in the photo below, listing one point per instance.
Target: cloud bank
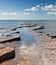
(49, 9)
(9, 13)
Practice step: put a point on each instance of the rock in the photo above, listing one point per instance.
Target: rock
(8, 35)
(1, 34)
(47, 34)
(40, 32)
(6, 54)
(52, 37)
(38, 27)
(2, 46)
(19, 27)
(13, 29)
(9, 38)
(15, 32)
(28, 25)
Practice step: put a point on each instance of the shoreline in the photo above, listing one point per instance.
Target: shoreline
(33, 48)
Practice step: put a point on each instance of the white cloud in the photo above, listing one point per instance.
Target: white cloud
(49, 7)
(33, 9)
(51, 13)
(38, 6)
(26, 13)
(4, 14)
(9, 14)
(13, 13)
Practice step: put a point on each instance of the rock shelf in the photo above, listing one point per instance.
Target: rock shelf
(9, 38)
(37, 27)
(6, 54)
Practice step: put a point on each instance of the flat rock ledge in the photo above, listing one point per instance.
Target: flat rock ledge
(6, 54)
(27, 25)
(37, 27)
(9, 38)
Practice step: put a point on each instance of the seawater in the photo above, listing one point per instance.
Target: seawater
(50, 25)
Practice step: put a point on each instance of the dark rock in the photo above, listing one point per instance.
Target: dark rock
(15, 32)
(52, 37)
(8, 35)
(19, 27)
(47, 34)
(40, 32)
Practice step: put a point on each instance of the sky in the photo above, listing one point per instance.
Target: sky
(27, 9)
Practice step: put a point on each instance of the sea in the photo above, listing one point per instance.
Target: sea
(50, 25)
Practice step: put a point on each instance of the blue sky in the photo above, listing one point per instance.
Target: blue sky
(28, 9)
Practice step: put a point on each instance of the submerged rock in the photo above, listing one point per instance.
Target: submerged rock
(19, 27)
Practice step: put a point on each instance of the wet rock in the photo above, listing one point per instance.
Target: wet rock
(9, 38)
(6, 54)
(1, 34)
(8, 35)
(53, 36)
(2, 46)
(15, 32)
(37, 27)
(47, 34)
(13, 29)
(40, 32)
(19, 27)
(28, 25)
